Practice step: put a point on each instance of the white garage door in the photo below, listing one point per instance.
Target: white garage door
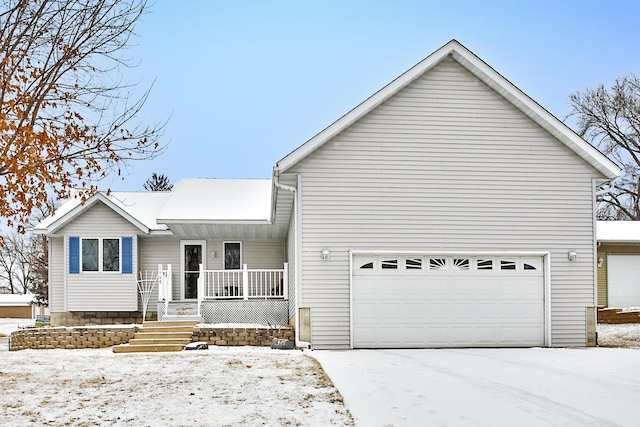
(623, 280)
(447, 301)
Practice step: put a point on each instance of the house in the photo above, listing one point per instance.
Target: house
(18, 306)
(447, 210)
(618, 263)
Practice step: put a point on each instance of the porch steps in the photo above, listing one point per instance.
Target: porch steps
(159, 337)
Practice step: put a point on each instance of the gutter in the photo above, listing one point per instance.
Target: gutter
(278, 184)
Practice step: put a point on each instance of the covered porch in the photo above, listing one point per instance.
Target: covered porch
(242, 296)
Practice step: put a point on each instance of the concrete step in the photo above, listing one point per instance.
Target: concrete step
(144, 348)
(157, 335)
(168, 329)
(177, 322)
(154, 341)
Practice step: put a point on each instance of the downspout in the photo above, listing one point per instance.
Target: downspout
(278, 184)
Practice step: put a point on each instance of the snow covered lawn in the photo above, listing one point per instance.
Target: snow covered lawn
(216, 387)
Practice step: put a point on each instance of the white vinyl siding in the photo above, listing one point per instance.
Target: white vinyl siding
(58, 266)
(101, 291)
(160, 250)
(291, 259)
(445, 165)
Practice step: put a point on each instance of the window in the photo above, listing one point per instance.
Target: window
(232, 256)
(437, 263)
(366, 266)
(507, 265)
(110, 254)
(390, 264)
(484, 264)
(100, 254)
(413, 263)
(461, 263)
(90, 255)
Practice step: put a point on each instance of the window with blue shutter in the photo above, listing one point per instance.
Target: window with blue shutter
(74, 255)
(127, 255)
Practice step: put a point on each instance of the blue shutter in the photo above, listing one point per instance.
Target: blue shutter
(127, 255)
(74, 255)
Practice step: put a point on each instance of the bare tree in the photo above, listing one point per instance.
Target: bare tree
(66, 117)
(610, 120)
(15, 263)
(157, 182)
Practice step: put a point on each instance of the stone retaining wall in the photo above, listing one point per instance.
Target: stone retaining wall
(70, 338)
(261, 337)
(86, 318)
(104, 337)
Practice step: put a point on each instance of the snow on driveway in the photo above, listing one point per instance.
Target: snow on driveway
(488, 387)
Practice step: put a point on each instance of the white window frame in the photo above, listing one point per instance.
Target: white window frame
(100, 269)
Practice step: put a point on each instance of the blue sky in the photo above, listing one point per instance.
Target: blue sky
(243, 83)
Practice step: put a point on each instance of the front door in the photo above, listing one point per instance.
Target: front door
(192, 257)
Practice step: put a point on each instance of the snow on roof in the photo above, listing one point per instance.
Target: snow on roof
(618, 231)
(7, 300)
(139, 206)
(218, 200)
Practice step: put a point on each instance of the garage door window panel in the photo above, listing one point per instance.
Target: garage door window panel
(437, 264)
(413, 263)
(484, 264)
(389, 264)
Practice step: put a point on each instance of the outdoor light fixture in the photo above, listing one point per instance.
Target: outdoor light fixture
(600, 262)
(573, 256)
(325, 254)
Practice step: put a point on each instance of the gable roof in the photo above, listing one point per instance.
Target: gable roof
(139, 208)
(485, 73)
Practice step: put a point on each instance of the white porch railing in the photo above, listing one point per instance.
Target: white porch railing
(243, 284)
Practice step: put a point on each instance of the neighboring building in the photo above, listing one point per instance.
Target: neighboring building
(618, 263)
(446, 210)
(18, 306)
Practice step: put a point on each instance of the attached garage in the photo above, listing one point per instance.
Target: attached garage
(624, 280)
(422, 301)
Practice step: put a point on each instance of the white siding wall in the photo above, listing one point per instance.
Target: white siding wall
(160, 250)
(445, 165)
(291, 259)
(97, 291)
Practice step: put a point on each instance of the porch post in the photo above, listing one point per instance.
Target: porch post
(245, 281)
(285, 281)
(200, 289)
(168, 288)
(160, 283)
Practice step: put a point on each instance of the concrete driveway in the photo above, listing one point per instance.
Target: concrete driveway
(488, 387)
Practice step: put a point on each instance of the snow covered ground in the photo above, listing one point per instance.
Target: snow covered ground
(228, 386)
(216, 387)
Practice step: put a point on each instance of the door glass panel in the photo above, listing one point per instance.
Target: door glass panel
(192, 261)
